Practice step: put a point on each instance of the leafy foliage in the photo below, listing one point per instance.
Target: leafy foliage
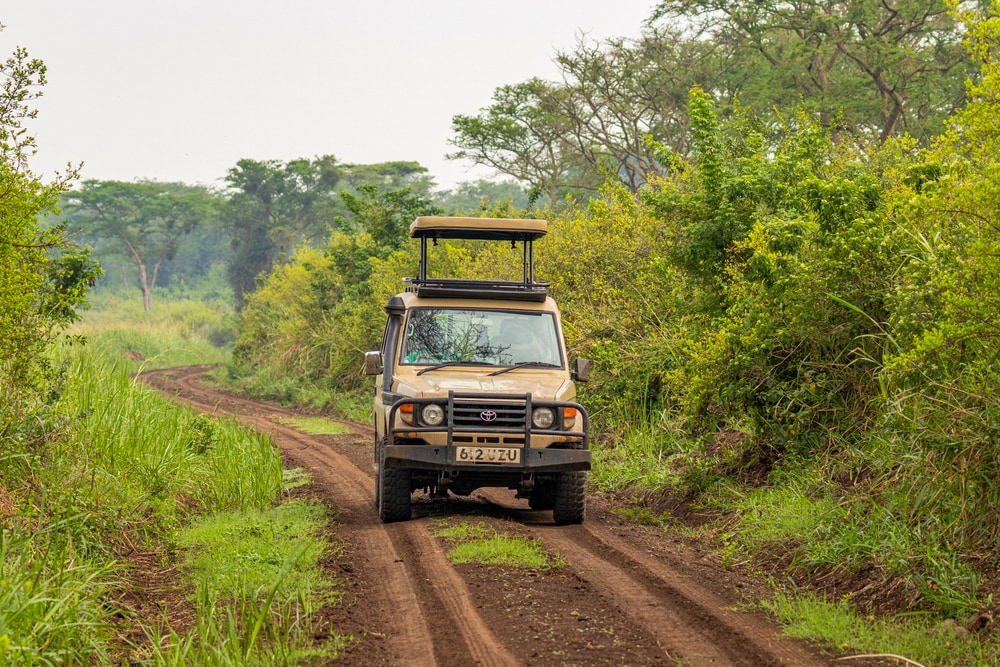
(868, 67)
(43, 276)
(870, 71)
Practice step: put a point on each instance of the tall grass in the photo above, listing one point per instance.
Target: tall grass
(257, 587)
(290, 389)
(155, 457)
(106, 466)
(52, 607)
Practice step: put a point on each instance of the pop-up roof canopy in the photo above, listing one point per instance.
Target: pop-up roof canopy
(488, 229)
(483, 229)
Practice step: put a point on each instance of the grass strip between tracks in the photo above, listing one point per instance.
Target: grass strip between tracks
(478, 543)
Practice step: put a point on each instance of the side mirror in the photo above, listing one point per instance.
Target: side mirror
(373, 363)
(581, 370)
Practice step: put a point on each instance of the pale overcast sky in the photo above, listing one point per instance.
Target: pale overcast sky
(179, 90)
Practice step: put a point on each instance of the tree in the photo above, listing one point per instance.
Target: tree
(885, 67)
(43, 276)
(147, 218)
(385, 216)
(619, 93)
(312, 315)
(525, 135)
(272, 207)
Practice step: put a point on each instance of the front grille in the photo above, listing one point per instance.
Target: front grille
(508, 415)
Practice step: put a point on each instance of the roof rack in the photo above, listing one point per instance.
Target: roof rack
(489, 229)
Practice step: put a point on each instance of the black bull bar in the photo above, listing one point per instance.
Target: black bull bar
(572, 452)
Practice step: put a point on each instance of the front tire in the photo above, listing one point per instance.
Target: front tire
(392, 491)
(568, 498)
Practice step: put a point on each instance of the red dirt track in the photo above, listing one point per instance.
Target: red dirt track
(628, 595)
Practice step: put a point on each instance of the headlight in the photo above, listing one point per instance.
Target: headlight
(432, 414)
(543, 418)
(569, 418)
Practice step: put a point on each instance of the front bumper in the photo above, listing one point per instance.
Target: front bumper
(555, 450)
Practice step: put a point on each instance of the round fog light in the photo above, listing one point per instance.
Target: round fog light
(543, 418)
(432, 414)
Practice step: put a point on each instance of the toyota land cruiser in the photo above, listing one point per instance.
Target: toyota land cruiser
(474, 387)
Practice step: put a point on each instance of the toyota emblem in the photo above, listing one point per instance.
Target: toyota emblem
(488, 415)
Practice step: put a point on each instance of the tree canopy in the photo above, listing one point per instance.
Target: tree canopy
(870, 70)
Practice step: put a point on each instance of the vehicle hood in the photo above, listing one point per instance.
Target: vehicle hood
(541, 386)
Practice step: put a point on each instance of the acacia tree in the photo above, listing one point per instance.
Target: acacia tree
(147, 218)
(617, 94)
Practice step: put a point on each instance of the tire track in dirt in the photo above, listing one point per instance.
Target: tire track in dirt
(693, 625)
(424, 607)
(417, 582)
(451, 593)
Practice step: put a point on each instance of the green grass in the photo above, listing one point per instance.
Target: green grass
(107, 466)
(476, 543)
(646, 517)
(256, 586)
(644, 458)
(353, 406)
(924, 640)
(153, 456)
(52, 600)
(855, 508)
(262, 627)
(293, 478)
(236, 554)
(174, 333)
(314, 425)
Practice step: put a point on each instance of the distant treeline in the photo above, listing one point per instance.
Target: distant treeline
(148, 234)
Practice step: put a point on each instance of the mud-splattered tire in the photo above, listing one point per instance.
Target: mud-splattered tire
(542, 497)
(568, 498)
(394, 494)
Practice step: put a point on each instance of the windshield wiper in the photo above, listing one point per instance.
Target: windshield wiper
(453, 363)
(525, 364)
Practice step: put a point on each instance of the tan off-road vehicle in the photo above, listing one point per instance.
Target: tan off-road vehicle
(474, 388)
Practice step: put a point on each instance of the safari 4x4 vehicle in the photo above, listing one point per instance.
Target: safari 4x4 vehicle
(474, 387)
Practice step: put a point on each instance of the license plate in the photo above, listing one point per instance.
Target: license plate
(488, 454)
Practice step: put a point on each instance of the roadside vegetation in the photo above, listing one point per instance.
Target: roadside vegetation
(114, 485)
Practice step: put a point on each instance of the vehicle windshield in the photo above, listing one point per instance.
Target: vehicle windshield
(497, 337)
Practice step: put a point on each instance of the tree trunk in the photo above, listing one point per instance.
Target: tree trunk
(147, 292)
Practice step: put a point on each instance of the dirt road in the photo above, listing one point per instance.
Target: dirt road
(627, 596)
